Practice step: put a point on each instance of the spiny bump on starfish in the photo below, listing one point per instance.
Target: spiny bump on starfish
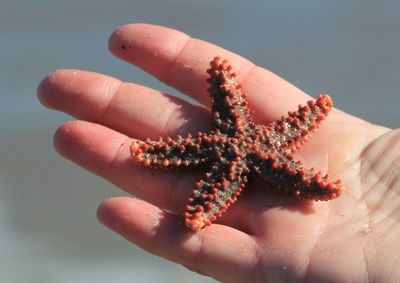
(238, 147)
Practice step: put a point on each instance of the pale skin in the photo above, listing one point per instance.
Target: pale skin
(264, 237)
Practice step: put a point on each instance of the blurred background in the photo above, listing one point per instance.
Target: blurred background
(48, 228)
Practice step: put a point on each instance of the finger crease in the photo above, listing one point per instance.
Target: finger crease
(112, 88)
(121, 145)
(166, 77)
(168, 120)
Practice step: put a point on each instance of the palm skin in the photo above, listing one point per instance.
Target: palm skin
(265, 237)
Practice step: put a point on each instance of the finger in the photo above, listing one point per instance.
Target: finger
(212, 251)
(105, 152)
(129, 108)
(181, 61)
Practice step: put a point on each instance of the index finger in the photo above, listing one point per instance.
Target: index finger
(180, 61)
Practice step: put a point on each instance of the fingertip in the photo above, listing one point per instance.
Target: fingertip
(90, 145)
(46, 88)
(148, 46)
(59, 87)
(102, 212)
(63, 138)
(139, 36)
(118, 41)
(136, 220)
(75, 91)
(107, 209)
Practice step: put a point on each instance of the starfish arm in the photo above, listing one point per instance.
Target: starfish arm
(289, 177)
(229, 104)
(181, 152)
(215, 194)
(291, 131)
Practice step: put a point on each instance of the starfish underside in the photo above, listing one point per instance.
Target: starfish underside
(239, 147)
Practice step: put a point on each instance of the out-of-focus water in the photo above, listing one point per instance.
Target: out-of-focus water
(48, 229)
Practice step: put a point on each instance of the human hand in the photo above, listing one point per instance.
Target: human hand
(263, 237)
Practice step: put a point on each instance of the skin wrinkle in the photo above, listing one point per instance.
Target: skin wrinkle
(168, 114)
(364, 246)
(322, 232)
(127, 141)
(393, 266)
(388, 194)
(359, 157)
(246, 70)
(369, 147)
(159, 234)
(258, 261)
(252, 242)
(155, 238)
(395, 179)
(195, 258)
(366, 273)
(352, 196)
(167, 73)
(366, 239)
(371, 167)
(118, 84)
(392, 215)
(360, 169)
(250, 272)
(372, 170)
(261, 254)
(388, 166)
(392, 184)
(390, 179)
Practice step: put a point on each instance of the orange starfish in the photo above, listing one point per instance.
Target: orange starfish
(239, 147)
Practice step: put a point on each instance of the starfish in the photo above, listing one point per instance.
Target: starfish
(239, 147)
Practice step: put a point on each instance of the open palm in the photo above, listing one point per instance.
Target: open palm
(265, 237)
